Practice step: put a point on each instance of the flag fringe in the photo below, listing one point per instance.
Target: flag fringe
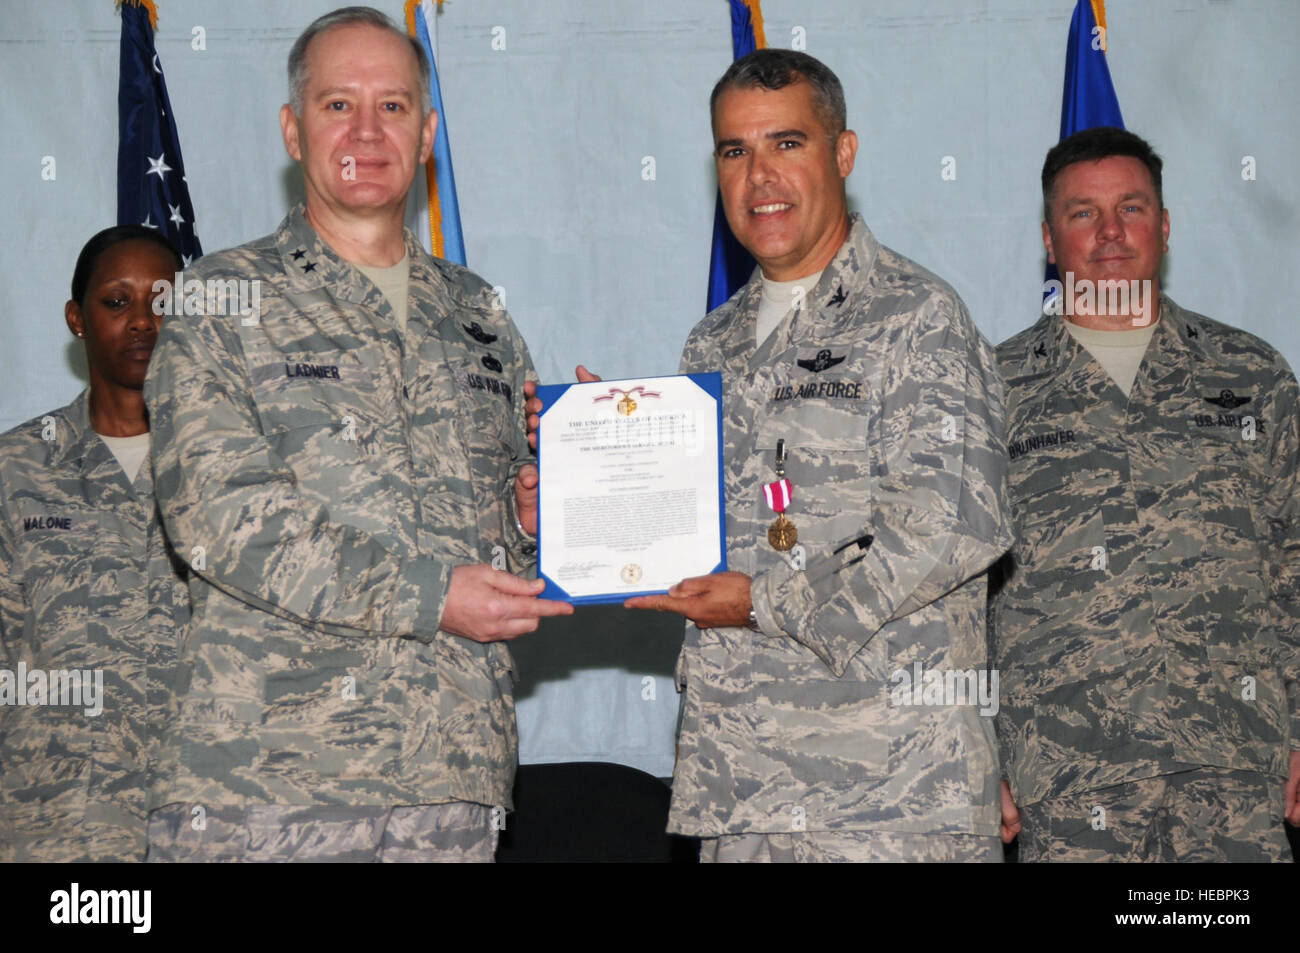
(149, 6)
(1099, 14)
(435, 209)
(436, 242)
(756, 18)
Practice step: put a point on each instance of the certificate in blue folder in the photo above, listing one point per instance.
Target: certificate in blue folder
(631, 495)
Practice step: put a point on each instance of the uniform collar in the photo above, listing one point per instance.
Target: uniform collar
(831, 303)
(76, 440)
(1176, 345)
(73, 432)
(312, 264)
(834, 300)
(1053, 350)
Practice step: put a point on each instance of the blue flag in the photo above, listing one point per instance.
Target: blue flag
(445, 237)
(729, 264)
(151, 187)
(1089, 97)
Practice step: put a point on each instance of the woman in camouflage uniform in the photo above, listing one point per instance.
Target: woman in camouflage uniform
(89, 593)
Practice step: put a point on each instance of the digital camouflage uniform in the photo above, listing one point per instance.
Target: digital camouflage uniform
(329, 473)
(1148, 624)
(456, 832)
(1203, 815)
(890, 407)
(86, 584)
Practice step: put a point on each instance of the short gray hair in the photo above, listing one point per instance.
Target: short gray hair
(349, 16)
(776, 69)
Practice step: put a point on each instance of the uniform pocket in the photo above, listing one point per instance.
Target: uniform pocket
(784, 709)
(828, 465)
(488, 394)
(476, 719)
(48, 769)
(1089, 714)
(1242, 646)
(327, 417)
(1216, 541)
(1051, 632)
(1060, 546)
(1246, 695)
(319, 390)
(1229, 524)
(59, 554)
(823, 728)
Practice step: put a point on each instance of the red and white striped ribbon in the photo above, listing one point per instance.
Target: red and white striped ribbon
(778, 495)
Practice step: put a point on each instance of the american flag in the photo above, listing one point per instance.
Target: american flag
(151, 186)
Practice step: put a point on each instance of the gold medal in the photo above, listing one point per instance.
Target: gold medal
(782, 534)
(627, 406)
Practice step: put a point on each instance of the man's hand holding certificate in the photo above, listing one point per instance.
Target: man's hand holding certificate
(630, 485)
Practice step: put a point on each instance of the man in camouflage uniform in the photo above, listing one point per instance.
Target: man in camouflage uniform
(337, 468)
(1146, 633)
(797, 742)
(87, 586)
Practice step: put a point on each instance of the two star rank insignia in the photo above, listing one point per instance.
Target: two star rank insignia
(297, 255)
